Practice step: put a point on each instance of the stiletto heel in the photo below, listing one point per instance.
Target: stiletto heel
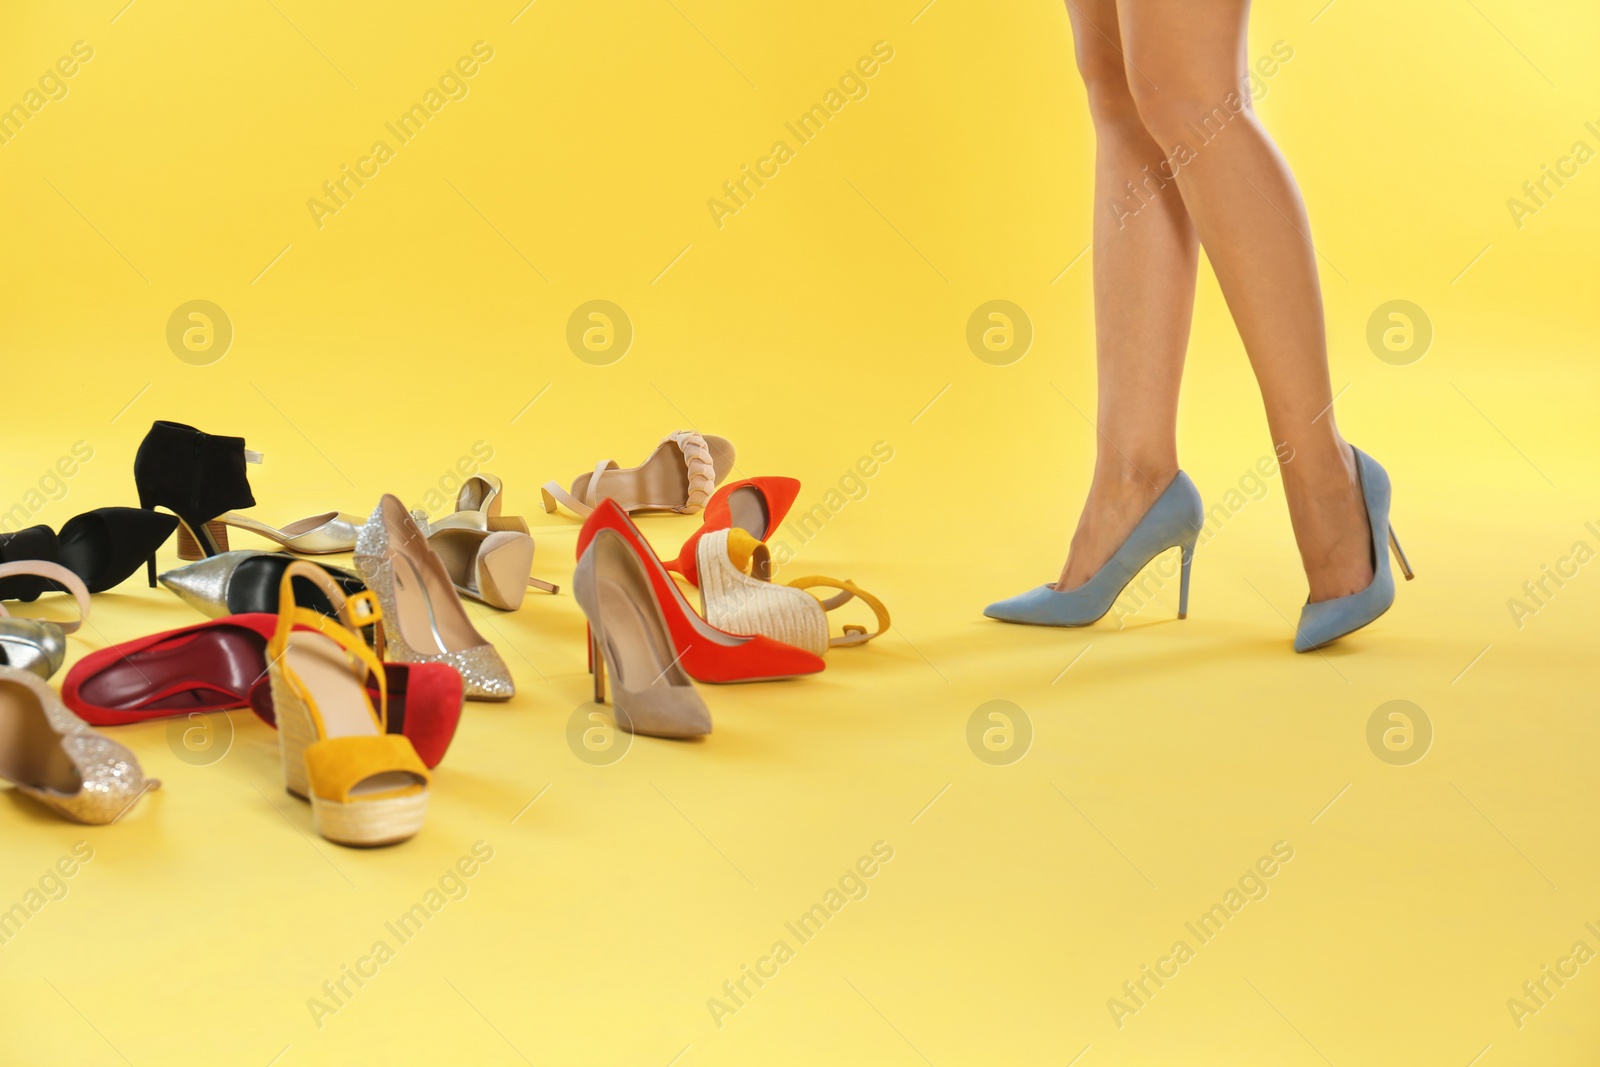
(1183, 582)
(597, 667)
(150, 569)
(1173, 521)
(1329, 620)
(588, 639)
(1400, 555)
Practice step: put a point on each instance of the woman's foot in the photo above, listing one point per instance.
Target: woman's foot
(1330, 523)
(1117, 501)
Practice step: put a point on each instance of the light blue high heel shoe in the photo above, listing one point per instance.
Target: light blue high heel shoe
(1173, 521)
(1329, 620)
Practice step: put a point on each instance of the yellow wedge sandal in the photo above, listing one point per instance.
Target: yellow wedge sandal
(366, 786)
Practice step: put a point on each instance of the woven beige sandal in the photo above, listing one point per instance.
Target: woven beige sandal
(738, 595)
(679, 476)
(366, 786)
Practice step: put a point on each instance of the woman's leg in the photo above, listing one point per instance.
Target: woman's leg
(1144, 278)
(1247, 210)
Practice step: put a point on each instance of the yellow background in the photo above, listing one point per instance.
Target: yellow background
(829, 314)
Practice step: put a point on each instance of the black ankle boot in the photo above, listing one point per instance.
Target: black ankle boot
(35, 542)
(192, 474)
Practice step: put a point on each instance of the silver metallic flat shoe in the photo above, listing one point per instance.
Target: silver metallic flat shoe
(423, 620)
(39, 645)
(231, 583)
(53, 756)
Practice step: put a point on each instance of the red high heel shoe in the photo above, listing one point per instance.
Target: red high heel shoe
(221, 664)
(755, 504)
(706, 653)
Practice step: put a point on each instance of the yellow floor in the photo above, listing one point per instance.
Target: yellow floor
(986, 902)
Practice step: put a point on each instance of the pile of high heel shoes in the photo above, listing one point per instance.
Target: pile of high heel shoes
(363, 670)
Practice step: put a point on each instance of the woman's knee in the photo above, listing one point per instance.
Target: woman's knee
(1186, 99)
(1183, 110)
(1105, 78)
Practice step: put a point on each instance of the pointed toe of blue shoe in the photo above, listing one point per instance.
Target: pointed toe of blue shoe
(1031, 607)
(1173, 521)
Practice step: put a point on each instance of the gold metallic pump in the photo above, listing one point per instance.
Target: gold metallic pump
(366, 786)
(53, 756)
(39, 645)
(488, 555)
(423, 621)
(478, 507)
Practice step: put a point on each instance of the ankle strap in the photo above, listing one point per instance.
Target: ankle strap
(56, 573)
(354, 612)
(853, 634)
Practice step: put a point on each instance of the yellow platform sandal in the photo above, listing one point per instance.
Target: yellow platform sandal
(366, 786)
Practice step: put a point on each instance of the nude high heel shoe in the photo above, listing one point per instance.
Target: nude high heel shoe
(424, 621)
(1173, 521)
(54, 757)
(650, 692)
(1329, 620)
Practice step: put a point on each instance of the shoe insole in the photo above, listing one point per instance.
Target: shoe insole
(30, 748)
(341, 699)
(747, 507)
(210, 670)
(640, 652)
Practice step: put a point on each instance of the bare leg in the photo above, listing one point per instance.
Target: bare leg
(1144, 279)
(1246, 207)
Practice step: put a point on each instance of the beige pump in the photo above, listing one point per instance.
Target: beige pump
(650, 693)
(680, 475)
